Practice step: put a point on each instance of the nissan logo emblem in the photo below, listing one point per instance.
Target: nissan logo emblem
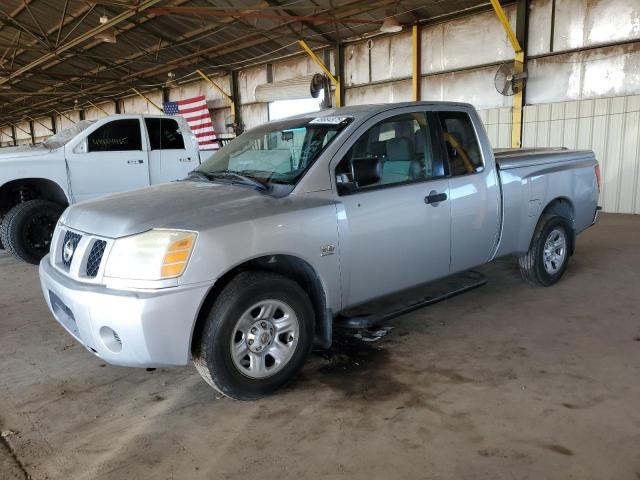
(67, 251)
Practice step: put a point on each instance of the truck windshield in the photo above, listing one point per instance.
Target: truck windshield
(278, 152)
(61, 138)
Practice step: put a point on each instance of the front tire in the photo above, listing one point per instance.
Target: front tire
(27, 229)
(548, 256)
(256, 336)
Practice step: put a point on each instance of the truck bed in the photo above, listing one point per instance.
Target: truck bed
(534, 180)
(507, 158)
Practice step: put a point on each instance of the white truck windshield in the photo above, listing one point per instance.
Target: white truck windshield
(61, 138)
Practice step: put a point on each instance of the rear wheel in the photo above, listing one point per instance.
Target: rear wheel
(256, 337)
(548, 256)
(27, 229)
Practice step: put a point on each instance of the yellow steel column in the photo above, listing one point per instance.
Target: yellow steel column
(220, 90)
(417, 59)
(331, 77)
(516, 128)
(518, 107)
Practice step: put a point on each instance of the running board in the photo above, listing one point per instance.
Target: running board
(435, 292)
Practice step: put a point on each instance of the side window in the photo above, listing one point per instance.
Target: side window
(461, 143)
(403, 147)
(164, 133)
(116, 136)
(171, 135)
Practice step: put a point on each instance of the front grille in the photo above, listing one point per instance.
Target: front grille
(95, 257)
(71, 240)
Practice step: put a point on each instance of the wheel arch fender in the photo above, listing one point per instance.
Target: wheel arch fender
(287, 265)
(36, 188)
(563, 207)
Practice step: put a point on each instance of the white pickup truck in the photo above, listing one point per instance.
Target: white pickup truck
(90, 159)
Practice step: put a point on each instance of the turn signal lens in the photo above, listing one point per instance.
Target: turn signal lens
(177, 256)
(153, 255)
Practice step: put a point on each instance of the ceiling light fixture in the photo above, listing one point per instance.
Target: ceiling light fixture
(390, 25)
(108, 35)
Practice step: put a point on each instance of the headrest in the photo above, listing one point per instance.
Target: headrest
(419, 141)
(378, 148)
(400, 150)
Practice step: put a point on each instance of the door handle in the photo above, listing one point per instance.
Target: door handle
(135, 162)
(434, 198)
(184, 159)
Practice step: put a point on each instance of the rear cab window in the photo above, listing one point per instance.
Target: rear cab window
(164, 134)
(461, 143)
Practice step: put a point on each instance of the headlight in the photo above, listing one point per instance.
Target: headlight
(153, 255)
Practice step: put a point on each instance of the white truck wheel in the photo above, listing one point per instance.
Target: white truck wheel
(27, 229)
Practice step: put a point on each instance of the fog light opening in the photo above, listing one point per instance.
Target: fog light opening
(110, 339)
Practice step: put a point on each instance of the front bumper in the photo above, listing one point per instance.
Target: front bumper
(152, 328)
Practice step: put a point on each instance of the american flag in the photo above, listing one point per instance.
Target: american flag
(196, 113)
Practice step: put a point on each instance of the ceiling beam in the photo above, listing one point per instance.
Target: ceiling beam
(80, 39)
(213, 12)
(349, 8)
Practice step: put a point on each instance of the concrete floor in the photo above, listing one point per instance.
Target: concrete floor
(508, 381)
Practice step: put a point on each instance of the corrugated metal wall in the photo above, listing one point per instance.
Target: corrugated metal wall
(497, 122)
(610, 127)
(584, 78)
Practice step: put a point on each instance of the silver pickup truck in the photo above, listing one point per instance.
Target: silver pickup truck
(297, 224)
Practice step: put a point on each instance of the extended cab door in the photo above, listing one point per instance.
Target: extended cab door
(474, 188)
(395, 233)
(169, 158)
(110, 157)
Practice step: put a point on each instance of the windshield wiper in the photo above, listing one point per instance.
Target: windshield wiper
(199, 174)
(231, 174)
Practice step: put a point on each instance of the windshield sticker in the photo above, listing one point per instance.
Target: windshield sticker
(329, 120)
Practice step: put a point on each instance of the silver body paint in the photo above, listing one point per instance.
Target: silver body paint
(360, 246)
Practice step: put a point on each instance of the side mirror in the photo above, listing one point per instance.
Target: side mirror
(366, 171)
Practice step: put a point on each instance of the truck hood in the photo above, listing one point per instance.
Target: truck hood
(23, 151)
(186, 205)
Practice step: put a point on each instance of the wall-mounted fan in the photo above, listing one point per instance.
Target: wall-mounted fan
(507, 81)
(321, 82)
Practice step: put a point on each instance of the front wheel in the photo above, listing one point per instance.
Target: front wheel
(27, 229)
(548, 256)
(256, 336)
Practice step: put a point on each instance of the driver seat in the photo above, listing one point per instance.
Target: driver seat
(401, 164)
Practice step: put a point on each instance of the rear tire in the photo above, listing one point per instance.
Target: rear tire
(548, 256)
(27, 229)
(256, 336)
